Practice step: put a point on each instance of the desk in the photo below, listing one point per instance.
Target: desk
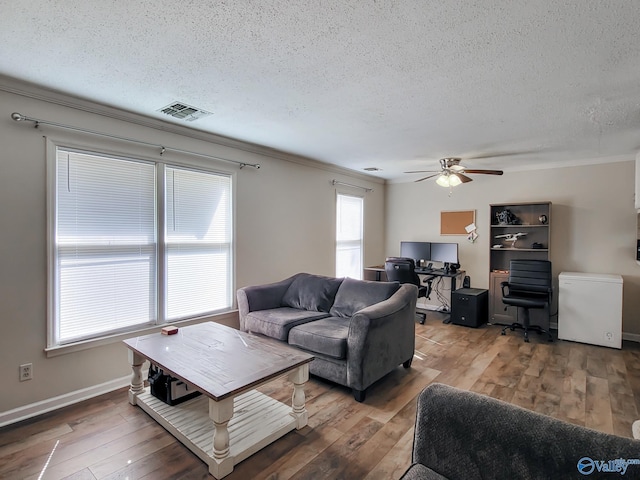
(378, 274)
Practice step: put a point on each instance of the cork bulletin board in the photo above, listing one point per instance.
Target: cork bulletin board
(453, 223)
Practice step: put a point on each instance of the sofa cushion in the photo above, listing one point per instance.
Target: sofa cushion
(277, 322)
(327, 336)
(354, 295)
(311, 292)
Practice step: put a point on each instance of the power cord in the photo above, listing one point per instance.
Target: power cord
(440, 296)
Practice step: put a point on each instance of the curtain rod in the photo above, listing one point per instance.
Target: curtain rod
(336, 182)
(18, 117)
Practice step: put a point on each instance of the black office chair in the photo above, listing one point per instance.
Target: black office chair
(529, 286)
(403, 270)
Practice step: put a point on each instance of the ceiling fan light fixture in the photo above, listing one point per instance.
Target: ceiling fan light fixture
(443, 181)
(448, 180)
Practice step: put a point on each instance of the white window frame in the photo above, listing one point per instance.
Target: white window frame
(353, 242)
(134, 153)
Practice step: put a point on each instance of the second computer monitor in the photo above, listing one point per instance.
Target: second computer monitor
(416, 250)
(444, 252)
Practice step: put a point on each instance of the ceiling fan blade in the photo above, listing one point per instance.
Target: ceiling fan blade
(464, 178)
(424, 171)
(430, 176)
(486, 172)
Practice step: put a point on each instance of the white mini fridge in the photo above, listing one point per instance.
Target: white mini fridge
(590, 308)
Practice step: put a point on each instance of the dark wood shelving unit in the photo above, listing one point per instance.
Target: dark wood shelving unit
(528, 221)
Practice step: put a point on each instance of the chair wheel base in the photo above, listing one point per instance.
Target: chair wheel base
(527, 329)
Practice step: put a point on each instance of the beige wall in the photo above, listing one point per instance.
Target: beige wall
(286, 221)
(593, 224)
(285, 224)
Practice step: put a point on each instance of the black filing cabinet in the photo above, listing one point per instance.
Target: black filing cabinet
(469, 306)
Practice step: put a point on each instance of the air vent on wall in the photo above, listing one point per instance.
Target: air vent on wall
(183, 111)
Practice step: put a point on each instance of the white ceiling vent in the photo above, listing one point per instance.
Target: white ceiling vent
(183, 111)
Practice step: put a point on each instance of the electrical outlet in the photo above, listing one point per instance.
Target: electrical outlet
(26, 372)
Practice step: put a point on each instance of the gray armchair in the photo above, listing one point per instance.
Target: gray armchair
(461, 435)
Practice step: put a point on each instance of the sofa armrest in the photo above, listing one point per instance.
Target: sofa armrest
(465, 435)
(381, 337)
(261, 297)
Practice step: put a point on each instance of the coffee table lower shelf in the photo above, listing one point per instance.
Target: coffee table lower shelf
(257, 421)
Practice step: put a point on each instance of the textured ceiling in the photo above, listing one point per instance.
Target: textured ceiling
(388, 84)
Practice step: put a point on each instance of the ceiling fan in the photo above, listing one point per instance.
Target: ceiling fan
(451, 173)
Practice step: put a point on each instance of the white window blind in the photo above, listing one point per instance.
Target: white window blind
(349, 228)
(107, 274)
(198, 243)
(105, 245)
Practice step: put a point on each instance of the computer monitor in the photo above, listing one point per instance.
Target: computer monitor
(444, 252)
(416, 250)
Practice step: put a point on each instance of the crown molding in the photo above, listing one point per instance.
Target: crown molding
(55, 97)
(573, 163)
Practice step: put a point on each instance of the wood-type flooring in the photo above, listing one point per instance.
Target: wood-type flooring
(107, 438)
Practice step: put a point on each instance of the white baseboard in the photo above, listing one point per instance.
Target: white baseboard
(44, 406)
(632, 337)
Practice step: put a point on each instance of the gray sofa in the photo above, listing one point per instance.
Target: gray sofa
(465, 436)
(357, 330)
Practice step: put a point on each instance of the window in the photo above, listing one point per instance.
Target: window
(198, 243)
(121, 259)
(349, 228)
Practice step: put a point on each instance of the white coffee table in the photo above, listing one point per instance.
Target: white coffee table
(231, 420)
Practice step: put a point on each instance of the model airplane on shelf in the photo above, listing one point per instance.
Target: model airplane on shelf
(511, 237)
